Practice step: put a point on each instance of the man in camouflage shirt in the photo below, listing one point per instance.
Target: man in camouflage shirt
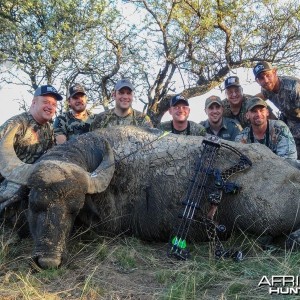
(284, 92)
(235, 105)
(180, 111)
(77, 120)
(218, 125)
(35, 134)
(236, 102)
(273, 133)
(122, 113)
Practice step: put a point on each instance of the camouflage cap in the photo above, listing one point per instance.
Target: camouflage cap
(77, 88)
(232, 81)
(47, 90)
(260, 67)
(178, 98)
(255, 101)
(213, 99)
(123, 83)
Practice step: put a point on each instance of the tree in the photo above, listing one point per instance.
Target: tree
(60, 41)
(204, 40)
(164, 46)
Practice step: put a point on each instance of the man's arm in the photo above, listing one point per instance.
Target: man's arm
(286, 146)
(60, 130)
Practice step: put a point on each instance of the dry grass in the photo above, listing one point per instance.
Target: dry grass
(127, 268)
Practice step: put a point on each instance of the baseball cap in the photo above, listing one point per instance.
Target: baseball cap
(77, 88)
(123, 83)
(232, 81)
(47, 90)
(260, 67)
(178, 98)
(255, 101)
(213, 99)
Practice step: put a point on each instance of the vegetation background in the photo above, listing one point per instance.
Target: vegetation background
(165, 47)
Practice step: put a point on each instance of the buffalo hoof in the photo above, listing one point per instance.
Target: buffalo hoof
(293, 240)
(48, 262)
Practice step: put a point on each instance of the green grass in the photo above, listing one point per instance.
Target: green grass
(127, 268)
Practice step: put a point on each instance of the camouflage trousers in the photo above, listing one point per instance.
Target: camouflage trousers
(294, 127)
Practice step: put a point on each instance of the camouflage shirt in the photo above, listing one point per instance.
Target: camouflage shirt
(109, 119)
(70, 126)
(287, 100)
(32, 139)
(279, 139)
(192, 128)
(241, 116)
(229, 130)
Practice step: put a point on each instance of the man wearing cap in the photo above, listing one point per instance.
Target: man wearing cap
(180, 111)
(75, 121)
(35, 133)
(273, 133)
(122, 113)
(284, 92)
(235, 103)
(218, 125)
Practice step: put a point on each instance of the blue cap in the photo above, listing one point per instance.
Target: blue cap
(260, 67)
(48, 90)
(232, 81)
(178, 98)
(123, 83)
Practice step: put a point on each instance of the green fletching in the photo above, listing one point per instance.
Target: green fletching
(179, 242)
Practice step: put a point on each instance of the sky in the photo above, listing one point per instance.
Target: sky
(12, 94)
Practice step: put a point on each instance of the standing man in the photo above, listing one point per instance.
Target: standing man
(122, 113)
(284, 92)
(180, 111)
(77, 120)
(34, 135)
(236, 102)
(218, 125)
(272, 133)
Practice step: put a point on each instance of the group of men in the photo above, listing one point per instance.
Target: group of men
(239, 117)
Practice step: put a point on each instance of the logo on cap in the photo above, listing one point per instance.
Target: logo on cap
(232, 81)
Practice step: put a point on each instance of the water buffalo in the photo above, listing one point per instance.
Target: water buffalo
(131, 180)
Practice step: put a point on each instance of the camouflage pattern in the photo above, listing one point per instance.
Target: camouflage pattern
(229, 130)
(109, 119)
(66, 124)
(281, 141)
(287, 100)
(241, 116)
(32, 139)
(195, 129)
